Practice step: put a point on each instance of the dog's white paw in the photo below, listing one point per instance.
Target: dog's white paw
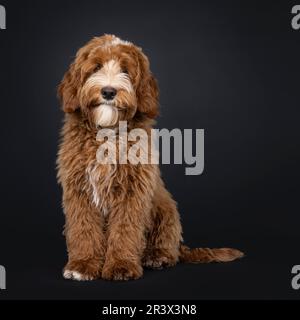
(75, 275)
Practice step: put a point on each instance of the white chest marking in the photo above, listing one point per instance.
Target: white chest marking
(100, 186)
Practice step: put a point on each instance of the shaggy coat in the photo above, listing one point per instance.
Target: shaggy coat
(120, 217)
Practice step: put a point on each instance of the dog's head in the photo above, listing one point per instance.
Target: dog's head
(110, 80)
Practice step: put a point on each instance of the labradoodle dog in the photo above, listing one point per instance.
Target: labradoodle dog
(120, 217)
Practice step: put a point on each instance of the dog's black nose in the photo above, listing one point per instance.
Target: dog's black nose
(108, 93)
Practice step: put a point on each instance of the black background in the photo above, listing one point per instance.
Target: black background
(239, 63)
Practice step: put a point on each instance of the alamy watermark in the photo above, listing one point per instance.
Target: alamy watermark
(2, 17)
(296, 19)
(2, 278)
(139, 146)
(296, 278)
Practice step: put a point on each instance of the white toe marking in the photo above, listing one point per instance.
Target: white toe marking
(67, 274)
(75, 275)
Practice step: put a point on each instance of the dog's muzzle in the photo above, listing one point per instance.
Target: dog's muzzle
(105, 115)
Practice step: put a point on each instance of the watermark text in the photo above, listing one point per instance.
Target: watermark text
(2, 278)
(2, 17)
(140, 146)
(296, 18)
(296, 279)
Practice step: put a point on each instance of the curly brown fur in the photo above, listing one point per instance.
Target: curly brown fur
(119, 218)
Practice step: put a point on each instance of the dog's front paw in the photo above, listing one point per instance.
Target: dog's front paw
(122, 270)
(158, 259)
(82, 270)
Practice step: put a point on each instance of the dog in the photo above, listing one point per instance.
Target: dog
(119, 218)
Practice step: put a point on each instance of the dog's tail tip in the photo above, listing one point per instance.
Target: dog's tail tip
(206, 255)
(229, 254)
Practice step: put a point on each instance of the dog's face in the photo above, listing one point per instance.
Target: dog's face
(109, 81)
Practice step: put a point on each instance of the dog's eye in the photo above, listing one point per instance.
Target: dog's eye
(98, 67)
(124, 70)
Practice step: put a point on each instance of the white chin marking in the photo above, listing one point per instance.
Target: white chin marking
(75, 275)
(105, 115)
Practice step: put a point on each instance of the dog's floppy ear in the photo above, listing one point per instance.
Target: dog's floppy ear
(67, 90)
(147, 90)
(69, 86)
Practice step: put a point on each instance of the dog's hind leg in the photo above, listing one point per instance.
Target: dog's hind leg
(165, 233)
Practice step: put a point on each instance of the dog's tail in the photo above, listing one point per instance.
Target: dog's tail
(206, 255)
